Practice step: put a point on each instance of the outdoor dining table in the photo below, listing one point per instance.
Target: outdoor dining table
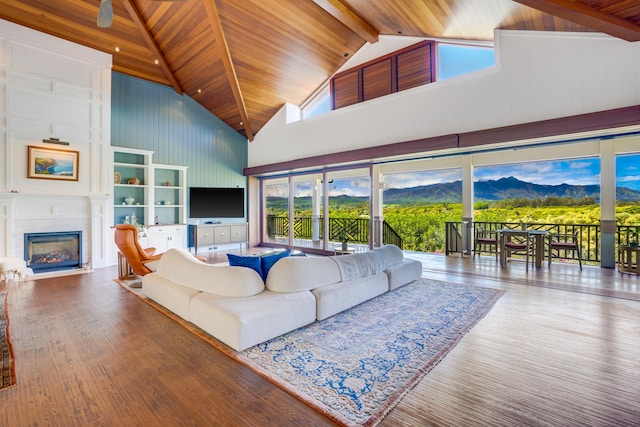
(537, 235)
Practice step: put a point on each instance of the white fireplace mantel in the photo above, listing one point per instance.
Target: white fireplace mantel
(37, 213)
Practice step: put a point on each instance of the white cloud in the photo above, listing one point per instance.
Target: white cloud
(628, 178)
(415, 179)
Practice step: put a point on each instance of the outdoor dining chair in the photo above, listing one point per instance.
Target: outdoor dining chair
(520, 243)
(561, 243)
(484, 239)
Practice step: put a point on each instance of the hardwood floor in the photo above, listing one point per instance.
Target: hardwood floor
(560, 348)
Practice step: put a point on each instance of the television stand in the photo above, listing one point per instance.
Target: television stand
(213, 235)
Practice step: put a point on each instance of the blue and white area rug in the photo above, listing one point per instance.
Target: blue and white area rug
(355, 366)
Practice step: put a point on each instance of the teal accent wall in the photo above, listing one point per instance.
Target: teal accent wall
(178, 130)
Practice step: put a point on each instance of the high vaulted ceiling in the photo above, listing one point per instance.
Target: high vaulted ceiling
(243, 59)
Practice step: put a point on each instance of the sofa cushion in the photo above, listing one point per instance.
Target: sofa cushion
(268, 261)
(179, 266)
(392, 253)
(296, 274)
(405, 272)
(250, 261)
(360, 265)
(337, 297)
(243, 322)
(169, 294)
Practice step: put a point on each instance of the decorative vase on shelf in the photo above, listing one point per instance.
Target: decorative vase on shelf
(129, 200)
(345, 246)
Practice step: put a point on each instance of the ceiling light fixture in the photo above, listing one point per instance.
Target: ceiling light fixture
(117, 49)
(156, 62)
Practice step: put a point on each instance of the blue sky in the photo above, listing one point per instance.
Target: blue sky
(575, 172)
(352, 187)
(628, 171)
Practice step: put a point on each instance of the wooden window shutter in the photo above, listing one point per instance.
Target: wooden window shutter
(414, 67)
(404, 69)
(376, 79)
(345, 89)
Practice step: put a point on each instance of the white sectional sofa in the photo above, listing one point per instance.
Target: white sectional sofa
(236, 306)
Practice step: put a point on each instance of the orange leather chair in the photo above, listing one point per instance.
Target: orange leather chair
(126, 238)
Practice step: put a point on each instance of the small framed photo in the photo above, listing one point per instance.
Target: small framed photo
(50, 163)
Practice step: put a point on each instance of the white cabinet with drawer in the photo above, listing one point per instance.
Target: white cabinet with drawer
(165, 237)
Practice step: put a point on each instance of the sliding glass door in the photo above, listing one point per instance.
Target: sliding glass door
(349, 209)
(276, 211)
(308, 203)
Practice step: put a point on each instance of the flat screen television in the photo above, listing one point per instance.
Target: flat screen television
(216, 202)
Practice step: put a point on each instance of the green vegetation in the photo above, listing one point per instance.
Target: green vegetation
(422, 227)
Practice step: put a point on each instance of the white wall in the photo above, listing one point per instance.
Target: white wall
(538, 76)
(53, 88)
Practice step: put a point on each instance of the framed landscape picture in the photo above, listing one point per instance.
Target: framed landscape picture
(49, 163)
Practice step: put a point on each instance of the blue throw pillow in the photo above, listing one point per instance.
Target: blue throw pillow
(246, 261)
(268, 261)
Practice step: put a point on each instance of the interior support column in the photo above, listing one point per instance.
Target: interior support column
(325, 210)
(315, 208)
(291, 212)
(607, 204)
(467, 203)
(377, 189)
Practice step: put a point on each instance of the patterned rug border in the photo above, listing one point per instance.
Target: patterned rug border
(327, 411)
(6, 349)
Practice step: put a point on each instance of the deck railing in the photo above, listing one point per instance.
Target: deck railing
(356, 230)
(353, 230)
(588, 236)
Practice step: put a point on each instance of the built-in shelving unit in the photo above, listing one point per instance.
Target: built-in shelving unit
(169, 194)
(131, 196)
(152, 196)
(155, 194)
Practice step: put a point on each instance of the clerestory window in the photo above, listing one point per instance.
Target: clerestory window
(407, 68)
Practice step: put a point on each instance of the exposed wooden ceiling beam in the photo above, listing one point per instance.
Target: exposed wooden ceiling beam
(223, 47)
(587, 16)
(342, 13)
(153, 45)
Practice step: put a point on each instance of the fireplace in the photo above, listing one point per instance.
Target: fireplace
(53, 251)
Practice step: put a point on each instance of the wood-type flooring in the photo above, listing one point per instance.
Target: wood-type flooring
(560, 348)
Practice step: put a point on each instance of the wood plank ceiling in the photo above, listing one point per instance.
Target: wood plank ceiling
(242, 60)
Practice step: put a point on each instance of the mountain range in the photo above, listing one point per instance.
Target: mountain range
(504, 188)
